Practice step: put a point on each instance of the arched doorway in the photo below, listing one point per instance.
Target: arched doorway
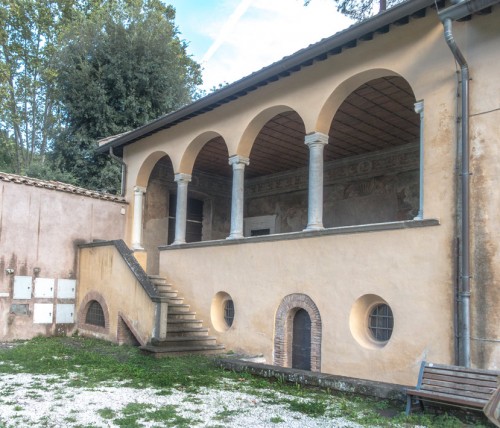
(301, 341)
(297, 333)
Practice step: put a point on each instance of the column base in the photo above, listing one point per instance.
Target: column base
(235, 236)
(313, 227)
(178, 242)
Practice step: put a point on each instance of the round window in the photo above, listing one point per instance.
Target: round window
(371, 321)
(381, 322)
(222, 311)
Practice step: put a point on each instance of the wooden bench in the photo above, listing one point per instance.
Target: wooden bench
(453, 385)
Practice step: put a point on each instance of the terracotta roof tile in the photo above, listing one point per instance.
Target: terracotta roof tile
(57, 185)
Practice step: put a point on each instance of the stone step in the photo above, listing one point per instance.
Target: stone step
(186, 331)
(165, 351)
(165, 288)
(186, 341)
(159, 280)
(170, 294)
(175, 301)
(180, 316)
(175, 308)
(183, 323)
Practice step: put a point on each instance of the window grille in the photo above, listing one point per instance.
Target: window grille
(229, 312)
(95, 314)
(381, 322)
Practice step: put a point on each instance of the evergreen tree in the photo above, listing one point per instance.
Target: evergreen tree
(119, 67)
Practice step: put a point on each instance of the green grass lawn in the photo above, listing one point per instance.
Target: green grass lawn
(89, 363)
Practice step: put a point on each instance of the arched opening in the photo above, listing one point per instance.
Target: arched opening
(297, 333)
(160, 191)
(95, 314)
(276, 178)
(372, 159)
(301, 341)
(209, 196)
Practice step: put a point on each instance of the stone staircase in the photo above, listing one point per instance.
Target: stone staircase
(185, 334)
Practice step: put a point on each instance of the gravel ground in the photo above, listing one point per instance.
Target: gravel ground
(32, 400)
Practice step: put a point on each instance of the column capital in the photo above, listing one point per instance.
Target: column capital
(139, 189)
(237, 159)
(316, 138)
(419, 107)
(181, 177)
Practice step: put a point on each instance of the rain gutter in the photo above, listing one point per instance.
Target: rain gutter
(124, 170)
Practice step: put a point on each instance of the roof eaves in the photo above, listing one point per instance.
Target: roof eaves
(282, 68)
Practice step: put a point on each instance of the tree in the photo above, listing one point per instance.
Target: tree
(28, 106)
(360, 10)
(119, 67)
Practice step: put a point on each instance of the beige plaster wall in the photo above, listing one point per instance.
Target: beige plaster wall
(41, 228)
(409, 269)
(103, 273)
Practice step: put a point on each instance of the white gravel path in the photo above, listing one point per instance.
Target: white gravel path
(34, 401)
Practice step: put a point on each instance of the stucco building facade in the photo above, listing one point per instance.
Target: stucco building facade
(317, 212)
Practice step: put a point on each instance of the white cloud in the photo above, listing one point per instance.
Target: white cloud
(260, 32)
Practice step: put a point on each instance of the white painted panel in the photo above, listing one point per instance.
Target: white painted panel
(44, 288)
(22, 287)
(65, 313)
(42, 313)
(66, 288)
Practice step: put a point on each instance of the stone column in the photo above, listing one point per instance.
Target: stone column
(419, 108)
(137, 222)
(316, 143)
(181, 209)
(237, 201)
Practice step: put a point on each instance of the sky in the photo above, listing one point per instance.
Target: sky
(234, 38)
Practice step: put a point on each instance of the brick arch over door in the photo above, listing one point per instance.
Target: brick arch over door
(283, 330)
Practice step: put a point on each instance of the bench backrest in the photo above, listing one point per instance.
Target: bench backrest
(458, 381)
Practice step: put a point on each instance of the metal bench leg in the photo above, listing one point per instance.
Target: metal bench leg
(408, 405)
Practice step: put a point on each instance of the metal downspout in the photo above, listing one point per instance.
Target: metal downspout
(124, 170)
(464, 294)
